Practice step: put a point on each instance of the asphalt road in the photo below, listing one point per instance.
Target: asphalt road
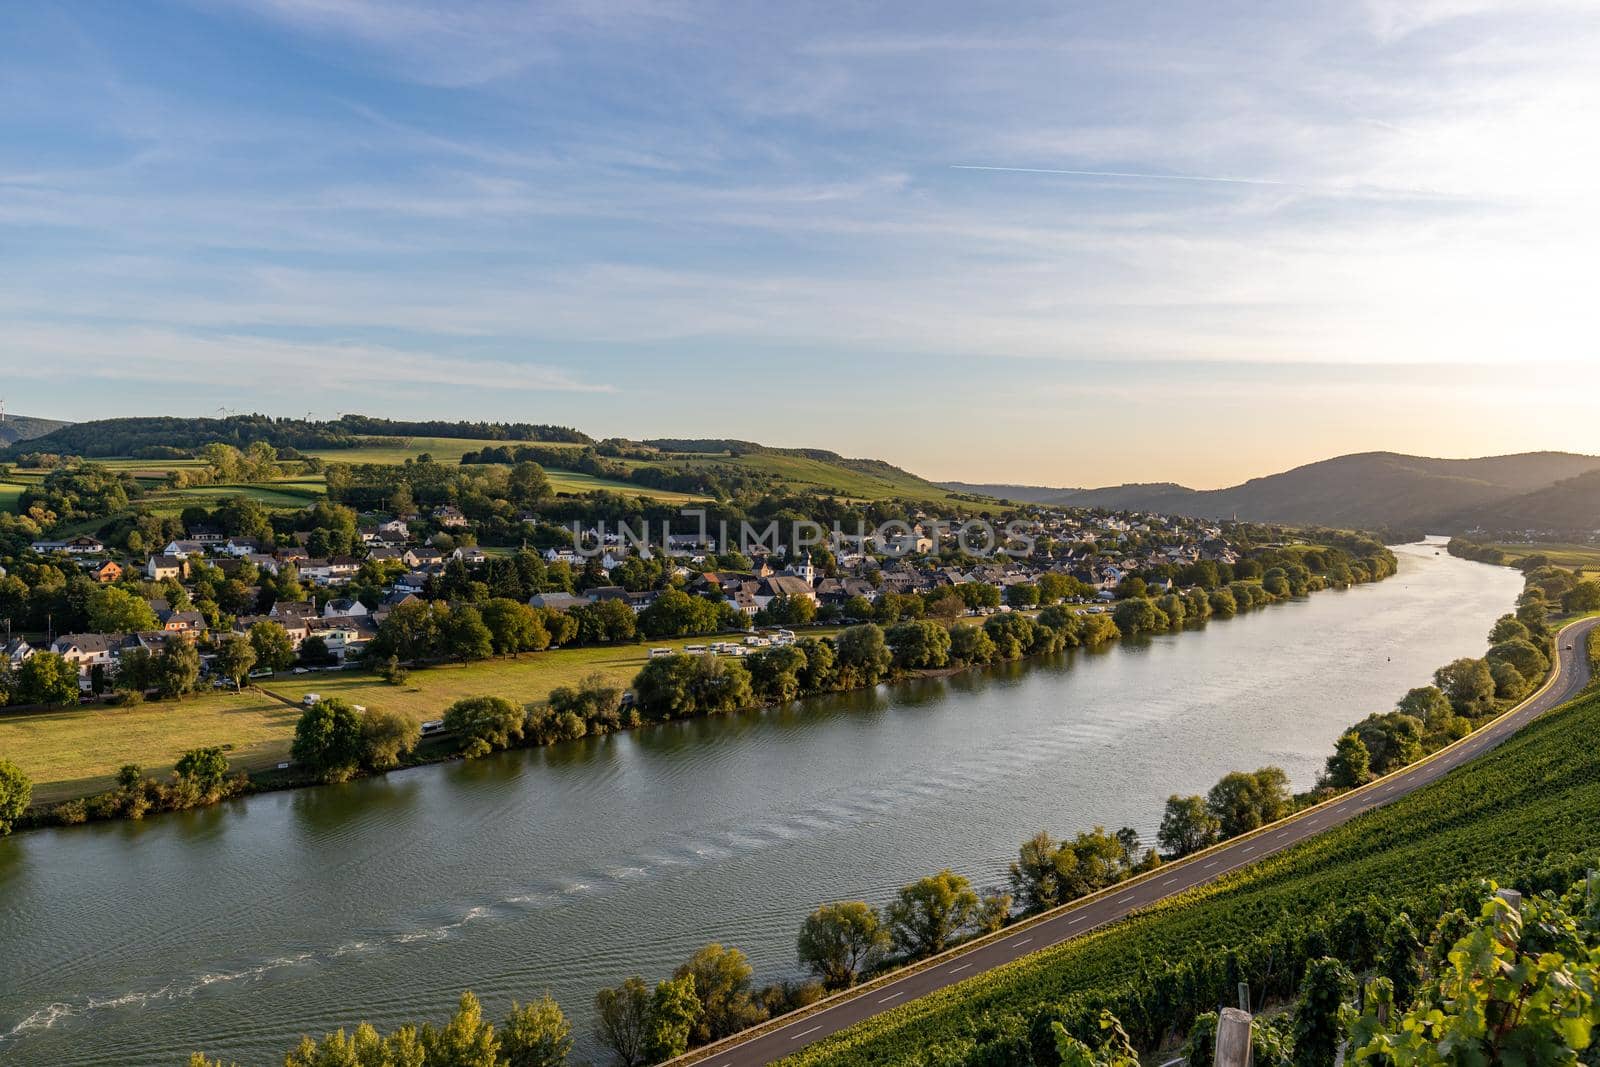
(1074, 920)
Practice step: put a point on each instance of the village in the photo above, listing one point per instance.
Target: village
(337, 604)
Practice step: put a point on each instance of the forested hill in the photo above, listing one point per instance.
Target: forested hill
(1375, 489)
(151, 437)
(14, 428)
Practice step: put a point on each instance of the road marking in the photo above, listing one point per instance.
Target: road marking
(1125, 899)
(813, 1030)
(1208, 866)
(1022, 941)
(891, 996)
(1169, 881)
(1075, 919)
(963, 967)
(1249, 848)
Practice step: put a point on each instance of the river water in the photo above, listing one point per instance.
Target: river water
(237, 928)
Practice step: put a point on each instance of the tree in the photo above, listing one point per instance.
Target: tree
(927, 915)
(536, 1035)
(327, 740)
(1187, 825)
(1392, 740)
(387, 737)
(1468, 685)
(919, 645)
(722, 979)
(273, 648)
(206, 767)
(862, 657)
(1429, 704)
(1521, 654)
(1509, 683)
(467, 1040)
(839, 942)
(484, 724)
(178, 668)
(513, 627)
(117, 611)
(1242, 801)
(673, 1010)
(971, 645)
(1318, 1029)
(16, 790)
(775, 672)
(47, 678)
(1583, 597)
(1350, 765)
(1138, 615)
(622, 1018)
(235, 659)
(594, 700)
(463, 636)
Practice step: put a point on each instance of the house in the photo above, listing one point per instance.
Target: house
(395, 530)
(448, 515)
(109, 571)
(344, 636)
(637, 601)
(296, 610)
(184, 548)
(16, 651)
(556, 601)
(343, 607)
(160, 568)
(297, 628)
(383, 554)
(242, 546)
(422, 557)
(86, 651)
(783, 585)
(470, 555)
(205, 535)
(411, 582)
(82, 545)
(392, 601)
(182, 622)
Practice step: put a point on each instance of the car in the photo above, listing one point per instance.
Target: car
(310, 700)
(298, 670)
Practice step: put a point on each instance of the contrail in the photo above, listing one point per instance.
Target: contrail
(1125, 174)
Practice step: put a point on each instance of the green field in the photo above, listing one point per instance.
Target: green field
(442, 449)
(71, 753)
(801, 473)
(10, 494)
(1586, 557)
(577, 482)
(76, 752)
(1533, 799)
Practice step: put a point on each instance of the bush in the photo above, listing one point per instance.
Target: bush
(485, 724)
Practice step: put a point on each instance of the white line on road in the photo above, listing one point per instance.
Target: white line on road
(1249, 848)
(891, 996)
(1075, 919)
(963, 967)
(1020, 942)
(1208, 866)
(803, 1033)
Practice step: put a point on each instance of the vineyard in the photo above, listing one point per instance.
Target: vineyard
(1525, 807)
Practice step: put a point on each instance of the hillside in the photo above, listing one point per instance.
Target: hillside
(14, 428)
(1533, 798)
(1571, 505)
(1372, 490)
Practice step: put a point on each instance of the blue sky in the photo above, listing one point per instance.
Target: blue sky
(653, 219)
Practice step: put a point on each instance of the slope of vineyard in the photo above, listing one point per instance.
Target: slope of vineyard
(1531, 801)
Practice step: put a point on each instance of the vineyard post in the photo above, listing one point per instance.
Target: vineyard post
(1513, 899)
(1233, 1038)
(1244, 996)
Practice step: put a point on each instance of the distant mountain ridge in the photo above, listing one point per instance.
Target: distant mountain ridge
(1374, 490)
(14, 428)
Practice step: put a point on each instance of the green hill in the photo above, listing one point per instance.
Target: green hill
(1524, 806)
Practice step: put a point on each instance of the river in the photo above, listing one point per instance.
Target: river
(237, 928)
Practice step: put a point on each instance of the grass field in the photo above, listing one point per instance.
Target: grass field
(577, 482)
(1562, 555)
(77, 752)
(10, 493)
(72, 753)
(805, 474)
(442, 449)
(1530, 801)
(525, 679)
